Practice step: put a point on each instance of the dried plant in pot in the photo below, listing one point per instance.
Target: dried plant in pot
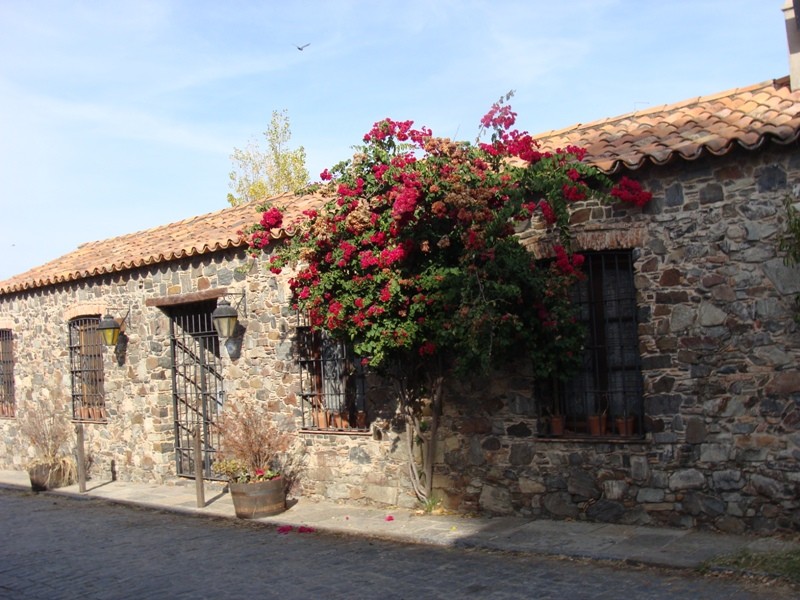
(49, 432)
(256, 459)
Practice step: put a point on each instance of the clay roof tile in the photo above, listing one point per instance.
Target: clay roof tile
(687, 130)
(714, 124)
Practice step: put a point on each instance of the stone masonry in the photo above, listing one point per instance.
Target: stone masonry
(718, 342)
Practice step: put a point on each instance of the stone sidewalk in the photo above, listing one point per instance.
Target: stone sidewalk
(653, 546)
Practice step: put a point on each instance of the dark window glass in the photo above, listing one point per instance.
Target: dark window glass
(605, 396)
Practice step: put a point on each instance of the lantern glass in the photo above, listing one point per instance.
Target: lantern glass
(225, 318)
(109, 330)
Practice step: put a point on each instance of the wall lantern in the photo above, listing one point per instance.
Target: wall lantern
(226, 317)
(109, 328)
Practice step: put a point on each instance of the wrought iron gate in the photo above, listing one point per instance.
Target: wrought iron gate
(197, 391)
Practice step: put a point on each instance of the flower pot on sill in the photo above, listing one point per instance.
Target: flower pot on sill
(258, 499)
(625, 426)
(557, 425)
(361, 419)
(321, 419)
(338, 420)
(598, 424)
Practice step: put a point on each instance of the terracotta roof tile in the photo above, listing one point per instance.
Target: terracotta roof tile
(685, 130)
(193, 236)
(714, 124)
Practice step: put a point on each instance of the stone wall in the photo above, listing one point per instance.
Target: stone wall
(137, 440)
(719, 348)
(720, 356)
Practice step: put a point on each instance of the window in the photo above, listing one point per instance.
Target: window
(7, 404)
(332, 383)
(86, 369)
(605, 396)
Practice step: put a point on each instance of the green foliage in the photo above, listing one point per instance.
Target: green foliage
(781, 564)
(260, 174)
(415, 255)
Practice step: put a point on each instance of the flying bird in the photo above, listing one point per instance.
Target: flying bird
(303, 46)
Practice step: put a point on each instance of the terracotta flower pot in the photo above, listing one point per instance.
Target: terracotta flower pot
(557, 425)
(625, 426)
(598, 424)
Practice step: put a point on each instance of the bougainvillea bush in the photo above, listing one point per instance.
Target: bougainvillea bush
(413, 257)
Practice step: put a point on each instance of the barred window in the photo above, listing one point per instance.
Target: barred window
(332, 383)
(605, 396)
(86, 369)
(7, 404)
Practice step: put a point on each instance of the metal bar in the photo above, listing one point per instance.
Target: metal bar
(198, 471)
(80, 444)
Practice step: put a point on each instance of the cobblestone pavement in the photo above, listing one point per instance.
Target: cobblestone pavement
(55, 547)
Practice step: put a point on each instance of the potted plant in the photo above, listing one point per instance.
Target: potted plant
(598, 424)
(49, 433)
(626, 425)
(554, 421)
(250, 460)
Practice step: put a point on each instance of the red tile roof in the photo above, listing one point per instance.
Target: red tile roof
(194, 236)
(745, 117)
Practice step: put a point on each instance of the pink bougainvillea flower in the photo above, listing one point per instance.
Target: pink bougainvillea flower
(305, 529)
(284, 529)
(389, 518)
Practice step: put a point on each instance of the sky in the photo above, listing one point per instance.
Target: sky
(117, 116)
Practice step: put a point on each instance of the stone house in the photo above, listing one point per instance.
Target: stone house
(687, 412)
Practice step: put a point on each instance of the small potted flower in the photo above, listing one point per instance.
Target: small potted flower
(249, 459)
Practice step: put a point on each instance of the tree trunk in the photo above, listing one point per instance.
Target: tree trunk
(416, 436)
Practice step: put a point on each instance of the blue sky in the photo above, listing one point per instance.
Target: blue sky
(118, 116)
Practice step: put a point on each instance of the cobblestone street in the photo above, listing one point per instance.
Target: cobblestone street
(55, 547)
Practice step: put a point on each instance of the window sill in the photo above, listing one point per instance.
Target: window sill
(350, 432)
(596, 439)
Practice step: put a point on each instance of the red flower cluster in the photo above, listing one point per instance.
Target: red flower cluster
(415, 250)
(500, 116)
(272, 219)
(573, 193)
(568, 265)
(630, 191)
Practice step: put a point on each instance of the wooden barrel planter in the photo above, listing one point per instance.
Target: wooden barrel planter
(258, 499)
(48, 477)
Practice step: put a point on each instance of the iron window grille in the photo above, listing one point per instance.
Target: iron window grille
(7, 403)
(605, 396)
(332, 382)
(86, 369)
(198, 392)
